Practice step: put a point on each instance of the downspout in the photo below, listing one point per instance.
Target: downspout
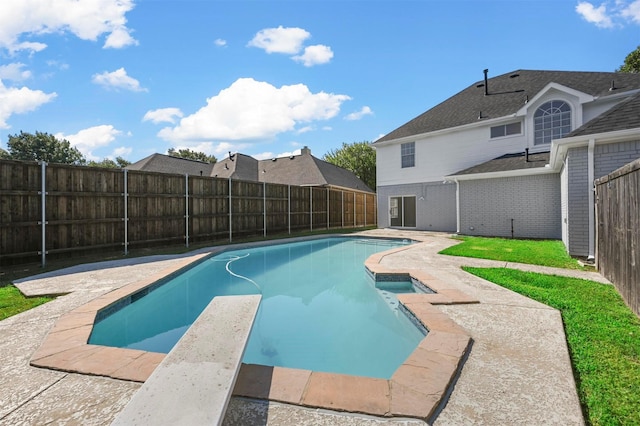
(457, 206)
(591, 178)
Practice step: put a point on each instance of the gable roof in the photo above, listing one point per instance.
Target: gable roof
(623, 116)
(508, 162)
(305, 169)
(507, 93)
(237, 166)
(168, 164)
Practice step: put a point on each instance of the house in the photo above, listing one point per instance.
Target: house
(513, 156)
(301, 170)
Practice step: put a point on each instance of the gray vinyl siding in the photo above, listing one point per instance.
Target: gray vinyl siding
(612, 156)
(578, 201)
(435, 204)
(487, 207)
(606, 158)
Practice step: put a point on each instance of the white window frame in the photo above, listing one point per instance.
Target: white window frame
(405, 155)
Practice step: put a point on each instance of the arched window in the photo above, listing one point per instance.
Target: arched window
(551, 121)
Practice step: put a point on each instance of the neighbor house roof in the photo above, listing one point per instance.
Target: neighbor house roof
(237, 166)
(625, 115)
(507, 94)
(508, 162)
(168, 164)
(303, 170)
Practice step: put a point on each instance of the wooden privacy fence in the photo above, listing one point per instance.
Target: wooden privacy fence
(53, 209)
(618, 231)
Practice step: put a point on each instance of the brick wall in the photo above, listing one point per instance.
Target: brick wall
(533, 202)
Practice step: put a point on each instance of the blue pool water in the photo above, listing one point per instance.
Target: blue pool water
(320, 310)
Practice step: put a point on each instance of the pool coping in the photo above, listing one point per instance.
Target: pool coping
(416, 389)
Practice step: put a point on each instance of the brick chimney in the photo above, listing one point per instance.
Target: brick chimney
(305, 151)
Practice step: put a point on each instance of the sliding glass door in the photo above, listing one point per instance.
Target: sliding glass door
(402, 211)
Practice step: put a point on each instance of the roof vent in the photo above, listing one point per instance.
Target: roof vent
(480, 116)
(291, 157)
(273, 159)
(514, 75)
(613, 86)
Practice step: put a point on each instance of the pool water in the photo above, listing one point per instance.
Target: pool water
(320, 310)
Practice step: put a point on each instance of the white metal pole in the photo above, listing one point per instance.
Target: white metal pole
(342, 209)
(354, 210)
(43, 196)
(230, 214)
(126, 213)
(186, 209)
(289, 208)
(327, 208)
(311, 207)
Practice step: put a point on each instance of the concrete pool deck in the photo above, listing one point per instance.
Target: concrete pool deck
(517, 371)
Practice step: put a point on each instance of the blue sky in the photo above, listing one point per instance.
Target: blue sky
(264, 78)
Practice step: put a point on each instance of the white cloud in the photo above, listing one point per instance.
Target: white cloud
(304, 129)
(314, 55)
(18, 101)
(610, 14)
(220, 42)
(87, 20)
(167, 115)
(14, 72)
(280, 40)
(365, 110)
(250, 110)
(119, 38)
(595, 15)
(89, 139)
(118, 79)
(632, 12)
(122, 151)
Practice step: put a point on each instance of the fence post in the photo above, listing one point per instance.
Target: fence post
(342, 208)
(355, 210)
(230, 214)
(126, 213)
(264, 208)
(289, 208)
(327, 208)
(43, 197)
(365, 210)
(311, 207)
(186, 208)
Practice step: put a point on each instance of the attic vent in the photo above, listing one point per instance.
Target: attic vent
(514, 75)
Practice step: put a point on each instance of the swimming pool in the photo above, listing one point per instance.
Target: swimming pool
(320, 310)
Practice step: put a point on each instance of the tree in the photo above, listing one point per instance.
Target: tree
(631, 62)
(119, 163)
(43, 147)
(192, 155)
(358, 157)
(4, 155)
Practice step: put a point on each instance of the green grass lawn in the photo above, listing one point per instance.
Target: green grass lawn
(12, 302)
(535, 252)
(603, 337)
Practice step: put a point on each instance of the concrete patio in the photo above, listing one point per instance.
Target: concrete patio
(517, 371)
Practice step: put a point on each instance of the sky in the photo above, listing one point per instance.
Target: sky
(130, 78)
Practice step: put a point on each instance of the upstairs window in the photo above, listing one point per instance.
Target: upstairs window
(551, 121)
(408, 154)
(506, 130)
